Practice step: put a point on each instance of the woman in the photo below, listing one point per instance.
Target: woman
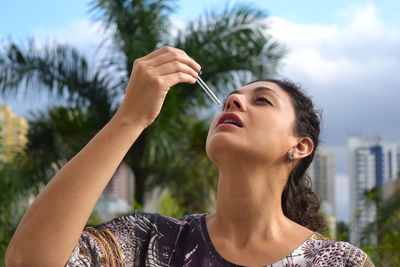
(262, 143)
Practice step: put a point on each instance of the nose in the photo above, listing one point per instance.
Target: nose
(234, 101)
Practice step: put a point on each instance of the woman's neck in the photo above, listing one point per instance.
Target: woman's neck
(249, 204)
(249, 227)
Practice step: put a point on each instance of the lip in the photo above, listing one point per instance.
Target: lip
(230, 116)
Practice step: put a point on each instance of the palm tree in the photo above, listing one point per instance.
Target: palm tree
(226, 44)
(56, 135)
(231, 46)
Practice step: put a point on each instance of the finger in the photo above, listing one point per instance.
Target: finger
(163, 50)
(171, 57)
(175, 66)
(177, 77)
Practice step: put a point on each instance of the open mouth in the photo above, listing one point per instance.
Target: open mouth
(230, 119)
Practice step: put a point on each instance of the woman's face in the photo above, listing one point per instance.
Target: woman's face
(256, 124)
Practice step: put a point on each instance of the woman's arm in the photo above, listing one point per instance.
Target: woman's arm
(53, 224)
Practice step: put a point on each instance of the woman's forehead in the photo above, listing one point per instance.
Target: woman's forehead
(263, 86)
(251, 86)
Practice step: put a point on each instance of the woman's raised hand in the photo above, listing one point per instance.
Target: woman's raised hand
(55, 220)
(150, 80)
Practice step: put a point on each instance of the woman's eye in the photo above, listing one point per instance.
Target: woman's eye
(264, 100)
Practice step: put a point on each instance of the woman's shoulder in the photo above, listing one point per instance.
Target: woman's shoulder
(334, 253)
(146, 222)
(126, 238)
(151, 218)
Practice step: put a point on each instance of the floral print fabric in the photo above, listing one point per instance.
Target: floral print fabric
(145, 239)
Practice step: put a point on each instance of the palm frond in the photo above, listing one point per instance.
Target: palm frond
(187, 172)
(58, 70)
(54, 137)
(30, 68)
(231, 45)
(138, 25)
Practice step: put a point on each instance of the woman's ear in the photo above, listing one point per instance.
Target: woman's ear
(303, 148)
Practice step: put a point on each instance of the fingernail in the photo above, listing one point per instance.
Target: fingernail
(198, 66)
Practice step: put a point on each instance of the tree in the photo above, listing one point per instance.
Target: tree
(226, 44)
(381, 237)
(230, 45)
(13, 201)
(342, 231)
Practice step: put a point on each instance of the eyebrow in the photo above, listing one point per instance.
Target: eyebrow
(255, 90)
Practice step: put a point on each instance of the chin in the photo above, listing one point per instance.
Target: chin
(222, 147)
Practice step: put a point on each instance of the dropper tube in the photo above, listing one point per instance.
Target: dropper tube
(204, 86)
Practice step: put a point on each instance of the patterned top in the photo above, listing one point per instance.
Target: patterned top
(145, 239)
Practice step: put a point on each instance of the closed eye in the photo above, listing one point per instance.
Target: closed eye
(263, 100)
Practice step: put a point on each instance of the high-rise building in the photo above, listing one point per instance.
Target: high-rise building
(371, 164)
(118, 195)
(13, 131)
(322, 174)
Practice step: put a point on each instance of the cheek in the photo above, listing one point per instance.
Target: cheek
(212, 126)
(273, 136)
(213, 148)
(209, 137)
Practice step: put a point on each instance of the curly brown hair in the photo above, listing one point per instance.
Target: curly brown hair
(299, 202)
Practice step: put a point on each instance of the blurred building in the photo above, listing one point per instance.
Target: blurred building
(322, 174)
(118, 196)
(389, 188)
(13, 131)
(371, 164)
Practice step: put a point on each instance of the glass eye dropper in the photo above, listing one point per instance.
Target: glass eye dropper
(204, 86)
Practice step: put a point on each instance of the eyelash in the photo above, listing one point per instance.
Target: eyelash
(264, 100)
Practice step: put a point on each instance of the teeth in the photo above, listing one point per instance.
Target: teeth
(230, 121)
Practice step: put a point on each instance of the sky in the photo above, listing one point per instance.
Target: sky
(345, 53)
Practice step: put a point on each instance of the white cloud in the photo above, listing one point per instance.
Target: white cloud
(79, 33)
(364, 19)
(177, 25)
(351, 69)
(90, 38)
(363, 46)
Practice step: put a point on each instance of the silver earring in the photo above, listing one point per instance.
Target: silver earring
(291, 156)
